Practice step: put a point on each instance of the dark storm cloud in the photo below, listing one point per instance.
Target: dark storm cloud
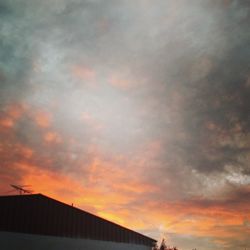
(220, 110)
(212, 81)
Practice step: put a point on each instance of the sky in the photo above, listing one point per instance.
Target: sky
(135, 110)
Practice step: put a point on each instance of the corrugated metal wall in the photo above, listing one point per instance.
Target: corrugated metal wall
(38, 214)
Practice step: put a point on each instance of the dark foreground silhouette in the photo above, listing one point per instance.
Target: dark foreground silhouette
(164, 246)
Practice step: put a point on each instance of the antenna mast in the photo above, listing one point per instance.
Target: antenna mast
(21, 189)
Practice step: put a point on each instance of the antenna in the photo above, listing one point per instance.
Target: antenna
(21, 189)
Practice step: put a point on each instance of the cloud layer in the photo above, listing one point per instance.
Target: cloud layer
(134, 110)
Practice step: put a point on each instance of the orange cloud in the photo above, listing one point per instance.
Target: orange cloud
(112, 188)
(43, 119)
(83, 72)
(26, 152)
(183, 218)
(119, 81)
(6, 122)
(70, 190)
(11, 114)
(52, 137)
(110, 191)
(16, 110)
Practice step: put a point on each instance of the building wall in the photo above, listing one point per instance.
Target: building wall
(20, 241)
(41, 215)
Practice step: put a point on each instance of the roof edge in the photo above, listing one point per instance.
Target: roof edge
(76, 208)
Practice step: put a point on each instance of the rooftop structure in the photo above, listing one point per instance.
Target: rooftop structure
(40, 215)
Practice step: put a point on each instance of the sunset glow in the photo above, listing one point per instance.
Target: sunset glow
(136, 111)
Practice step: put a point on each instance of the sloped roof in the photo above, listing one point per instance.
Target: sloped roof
(39, 214)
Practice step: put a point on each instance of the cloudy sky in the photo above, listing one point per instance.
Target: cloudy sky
(135, 110)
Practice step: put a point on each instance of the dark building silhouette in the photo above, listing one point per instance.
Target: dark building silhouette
(39, 222)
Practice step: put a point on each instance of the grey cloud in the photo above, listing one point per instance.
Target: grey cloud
(195, 50)
(188, 62)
